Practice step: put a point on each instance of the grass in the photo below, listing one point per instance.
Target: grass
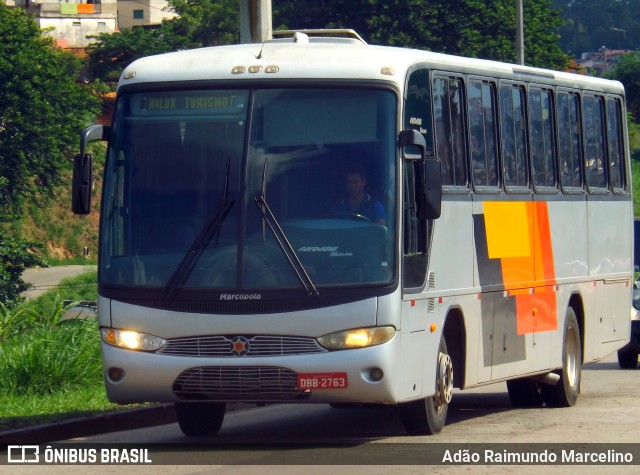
(50, 369)
(18, 412)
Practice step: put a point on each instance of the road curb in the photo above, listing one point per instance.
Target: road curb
(126, 419)
(87, 426)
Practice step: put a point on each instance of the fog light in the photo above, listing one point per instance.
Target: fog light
(115, 374)
(376, 374)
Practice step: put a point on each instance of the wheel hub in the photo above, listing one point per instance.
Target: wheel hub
(445, 380)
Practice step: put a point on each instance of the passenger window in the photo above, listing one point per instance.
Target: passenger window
(615, 144)
(482, 132)
(543, 156)
(595, 159)
(513, 128)
(449, 124)
(569, 139)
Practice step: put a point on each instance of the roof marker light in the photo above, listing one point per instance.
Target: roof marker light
(255, 69)
(129, 74)
(271, 69)
(238, 70)
(388, 71)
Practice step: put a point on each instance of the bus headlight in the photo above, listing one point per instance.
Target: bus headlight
(131, 340)
(357, 338)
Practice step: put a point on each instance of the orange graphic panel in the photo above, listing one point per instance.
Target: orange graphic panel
(519, 235)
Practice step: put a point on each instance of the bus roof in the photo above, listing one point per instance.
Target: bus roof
(326, 57)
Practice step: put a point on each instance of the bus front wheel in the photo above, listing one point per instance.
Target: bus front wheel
(427, 416)
(200, 419)
(565, 393)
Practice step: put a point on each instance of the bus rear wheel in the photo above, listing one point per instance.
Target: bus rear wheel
(200, 419)
(428, 416)
(565, 393)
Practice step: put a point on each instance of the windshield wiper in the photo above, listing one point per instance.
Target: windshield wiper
(281, 238)
(210, 229)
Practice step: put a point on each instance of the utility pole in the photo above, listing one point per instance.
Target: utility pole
(519, 33)
(255, 21)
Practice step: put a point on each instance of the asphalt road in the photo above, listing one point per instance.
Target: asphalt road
(372, 440)
(608, 411)
(44, 279)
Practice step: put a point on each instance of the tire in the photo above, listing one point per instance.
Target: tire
(565, 393)
(200, 419)
(427, 416)
(627, 360)
(525, 393)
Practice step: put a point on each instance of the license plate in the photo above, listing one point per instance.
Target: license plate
(311, 381)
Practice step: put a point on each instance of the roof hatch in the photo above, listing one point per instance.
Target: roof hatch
(319, 36)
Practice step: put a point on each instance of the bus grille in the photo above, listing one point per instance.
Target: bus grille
(246, 383)
(221, 346)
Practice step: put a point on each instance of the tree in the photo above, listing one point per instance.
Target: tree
(112, 52)
(476, 28)
(627, 71)
(15, 257)
(591, 24)
(42, 109)
(200, 23)
(207, 22)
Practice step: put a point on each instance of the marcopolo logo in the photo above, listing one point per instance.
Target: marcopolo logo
(240, 297)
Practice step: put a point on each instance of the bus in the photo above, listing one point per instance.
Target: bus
(238, 259)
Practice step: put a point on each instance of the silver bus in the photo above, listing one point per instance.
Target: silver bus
(318, 220)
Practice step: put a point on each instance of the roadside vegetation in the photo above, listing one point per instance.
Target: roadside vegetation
(50, 367)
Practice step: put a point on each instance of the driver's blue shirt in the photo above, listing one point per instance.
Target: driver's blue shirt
(370, 208)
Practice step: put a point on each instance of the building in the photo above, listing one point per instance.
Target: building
(598, 63)
(72, 22)
(143, 13)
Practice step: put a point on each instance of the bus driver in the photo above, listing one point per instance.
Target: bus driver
(357, 200)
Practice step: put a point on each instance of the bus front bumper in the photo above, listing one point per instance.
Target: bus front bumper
(364, 375)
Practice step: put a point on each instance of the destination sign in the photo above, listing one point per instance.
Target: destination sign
(190, 103)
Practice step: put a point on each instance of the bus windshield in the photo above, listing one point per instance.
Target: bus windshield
(250, 189)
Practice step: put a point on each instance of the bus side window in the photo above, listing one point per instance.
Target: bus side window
(482, 130)
(514, 136)
(615, 144)
(543, 157)
(595, 158)
(448, 108)
(569, 139)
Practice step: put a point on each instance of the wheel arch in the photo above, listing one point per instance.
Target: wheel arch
(455, 335)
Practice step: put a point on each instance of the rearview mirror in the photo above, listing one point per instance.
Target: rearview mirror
(82, 184)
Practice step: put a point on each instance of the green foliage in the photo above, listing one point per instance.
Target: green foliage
(42, 109)
(15, 257)
(47, 309)
(200, 23)
(476, 28)
(111, 53)
(627, 71)
(207, 22)
(39, 353)
(24, 410)
(51, 358)
(592, 24)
